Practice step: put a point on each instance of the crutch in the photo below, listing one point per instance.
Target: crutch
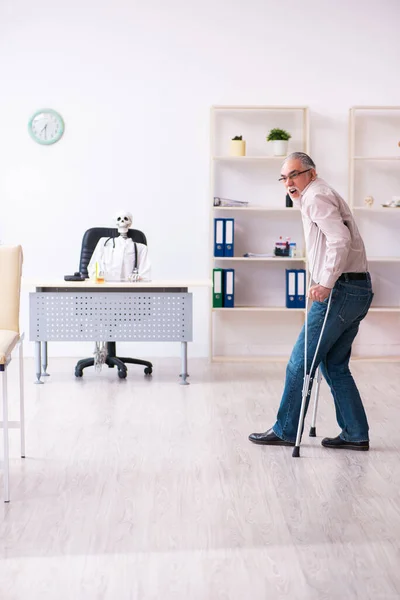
(313, 429)
(307, 382)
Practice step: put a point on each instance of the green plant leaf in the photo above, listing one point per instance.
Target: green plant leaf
(278, 134)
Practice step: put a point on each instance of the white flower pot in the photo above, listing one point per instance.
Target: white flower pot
(280, 147)
(238, 148)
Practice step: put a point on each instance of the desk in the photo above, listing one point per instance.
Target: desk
(154, 311)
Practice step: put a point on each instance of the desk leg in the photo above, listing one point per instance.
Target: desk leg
(44, 360)
(38, 362)
(184, 373)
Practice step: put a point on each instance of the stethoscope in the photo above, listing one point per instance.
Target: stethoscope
(135, 266)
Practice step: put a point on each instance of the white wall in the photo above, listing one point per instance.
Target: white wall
(134, 82)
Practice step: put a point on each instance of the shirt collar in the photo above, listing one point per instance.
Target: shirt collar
(307, 187)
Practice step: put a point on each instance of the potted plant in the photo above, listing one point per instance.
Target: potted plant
(238, 146)
(280, 139)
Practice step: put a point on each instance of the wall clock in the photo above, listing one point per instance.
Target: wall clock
(46, 126)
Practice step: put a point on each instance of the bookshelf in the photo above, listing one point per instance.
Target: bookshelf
(259, 327)
(374, 153)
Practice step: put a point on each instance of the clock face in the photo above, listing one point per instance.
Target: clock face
(46, 126)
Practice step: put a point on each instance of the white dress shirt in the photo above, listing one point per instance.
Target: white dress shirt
(341, 248)
(118, 262)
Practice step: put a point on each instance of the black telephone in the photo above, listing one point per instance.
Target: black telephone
(75, 277)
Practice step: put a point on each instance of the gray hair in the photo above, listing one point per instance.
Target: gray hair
(306, 161)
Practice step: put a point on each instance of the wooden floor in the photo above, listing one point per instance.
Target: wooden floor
(145, 489)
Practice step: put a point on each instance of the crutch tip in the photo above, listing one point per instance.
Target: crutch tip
(313, 432)
(296, 452)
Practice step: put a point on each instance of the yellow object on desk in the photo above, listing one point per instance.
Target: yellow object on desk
(99, 273)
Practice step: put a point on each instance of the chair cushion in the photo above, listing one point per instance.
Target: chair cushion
(8, 339)
(10, 278)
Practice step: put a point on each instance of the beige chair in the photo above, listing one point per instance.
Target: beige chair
(10, 287)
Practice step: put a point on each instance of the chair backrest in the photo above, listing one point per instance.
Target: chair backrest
(92, 236)
(10, 286)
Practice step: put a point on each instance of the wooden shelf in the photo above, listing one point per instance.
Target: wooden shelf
(366, 154)
(266, 259)
(375, 108)
(391, 309)
(387, 259)
(280, 209)
(377, 209)
(248, 158)
(388, 358)
(376, 157)
(380, 309)
(259, 309)
(240, 108)
(254, 177)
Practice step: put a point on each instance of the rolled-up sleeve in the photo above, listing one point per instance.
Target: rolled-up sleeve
(144, 263)
(324, 212)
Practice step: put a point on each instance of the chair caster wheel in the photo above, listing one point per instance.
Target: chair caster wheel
(148, 371)
(122, 374)
(78, 373)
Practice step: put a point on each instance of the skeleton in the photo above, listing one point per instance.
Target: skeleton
(123, 221)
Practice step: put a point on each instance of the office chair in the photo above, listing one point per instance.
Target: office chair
(89, 243)
(10, 337)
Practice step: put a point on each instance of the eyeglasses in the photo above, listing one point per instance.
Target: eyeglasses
(293, 175)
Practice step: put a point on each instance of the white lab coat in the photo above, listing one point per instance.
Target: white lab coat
(118, 262)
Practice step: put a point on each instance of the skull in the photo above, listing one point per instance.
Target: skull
(123, 221)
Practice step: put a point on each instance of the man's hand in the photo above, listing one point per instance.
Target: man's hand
(319, 293)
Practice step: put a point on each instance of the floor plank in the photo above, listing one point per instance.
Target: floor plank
(141, 489)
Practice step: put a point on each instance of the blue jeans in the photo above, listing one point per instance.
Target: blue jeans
(350, 303)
